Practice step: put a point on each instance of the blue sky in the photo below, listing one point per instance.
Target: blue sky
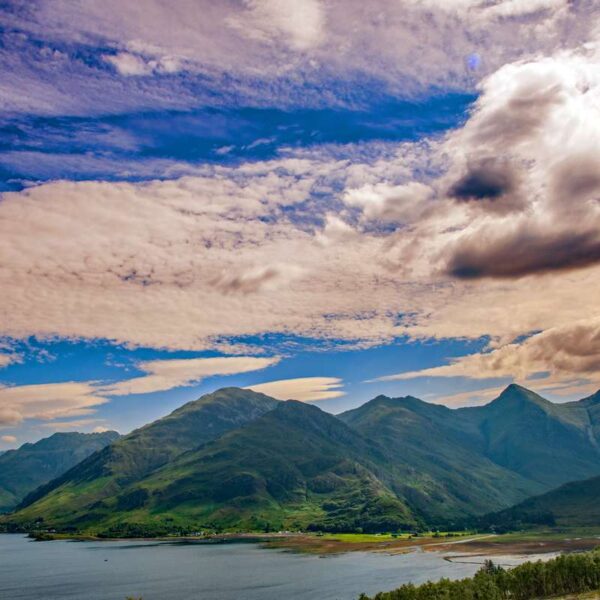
(319, 200)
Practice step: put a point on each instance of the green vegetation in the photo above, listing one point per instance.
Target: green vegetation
(32, 465)
(567, 574)
(239, 461)
(134, 456)
(571, 505)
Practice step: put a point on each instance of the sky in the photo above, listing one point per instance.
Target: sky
(324, 200)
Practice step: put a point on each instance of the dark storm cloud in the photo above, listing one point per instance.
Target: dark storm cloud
(487, 180)
(524, 253)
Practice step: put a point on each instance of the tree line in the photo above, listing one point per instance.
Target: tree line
(567, 574)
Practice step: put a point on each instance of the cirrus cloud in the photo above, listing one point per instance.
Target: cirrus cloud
(305, 389)
(162, 375)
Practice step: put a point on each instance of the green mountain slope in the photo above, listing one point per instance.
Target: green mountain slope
(488, 456)
(240, 460)
(575, 504)
(32, 465)
(545, 442)
(295, 466)
(443, 450)
(134, 456)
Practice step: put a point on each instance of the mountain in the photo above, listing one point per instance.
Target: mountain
(496, 455)
(236, 460)
(445, 452)
(294, 467)
(575, 504)
(136, 455)
(547, 443)
(32, 465)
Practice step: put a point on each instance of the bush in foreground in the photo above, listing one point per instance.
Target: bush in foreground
(567, 574)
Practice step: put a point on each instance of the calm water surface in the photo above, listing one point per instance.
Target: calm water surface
(165, 571)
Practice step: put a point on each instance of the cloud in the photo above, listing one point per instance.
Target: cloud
(7, 359)
(525, 251)
(471, 398)
(392, 203)
(488, 179)
(47, 401)
(8, 439)
(76, 425)
(52, 401)
(526, 166)
(127, 63)
(165, 375)
(490, 230)
(305, 389)
(269, 51)
(563, 354)
(299, 25)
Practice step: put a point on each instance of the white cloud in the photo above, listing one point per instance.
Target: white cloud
(7, 359)
(8, 439)
(164, 375)
(276, 45)
(47, 401)
(305, 389)
(127, 63)
(299, 25)
(395, 203)
(53, 401)
(564, 360)
(77, 425)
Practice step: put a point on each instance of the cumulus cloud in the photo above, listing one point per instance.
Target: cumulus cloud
(393, 203)
(305, 389)
(165, 375)
(562, 354)
(533, 190)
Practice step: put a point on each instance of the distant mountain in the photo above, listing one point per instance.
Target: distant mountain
(240, 460)
(106, 473)
(32, 465)
(444, 452)
(575, 504)
(545, 442)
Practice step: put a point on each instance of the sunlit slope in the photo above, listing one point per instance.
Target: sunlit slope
(136, 455)
(32, 465)
(295, 466)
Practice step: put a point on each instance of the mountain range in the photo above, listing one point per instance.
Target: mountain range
(239, 460)
(32, 465)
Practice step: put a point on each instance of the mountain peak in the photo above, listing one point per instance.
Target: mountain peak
(515, 393)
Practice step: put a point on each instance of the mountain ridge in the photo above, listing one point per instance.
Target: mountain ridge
(409, 463)
(24, 469)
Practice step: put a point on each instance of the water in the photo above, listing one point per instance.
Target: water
(169, 571)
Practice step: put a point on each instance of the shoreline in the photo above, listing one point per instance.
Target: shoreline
(331, 544)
